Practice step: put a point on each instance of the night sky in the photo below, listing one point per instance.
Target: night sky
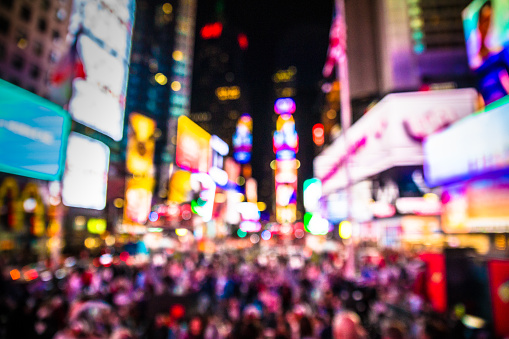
(281, 33)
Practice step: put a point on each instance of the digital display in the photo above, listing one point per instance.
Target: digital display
(243, 139)
(36, 139)
(390, 134)
(475, 146)
(486, 28)
(193, 146)
(140, 145)
(100, 36)
(86, 174)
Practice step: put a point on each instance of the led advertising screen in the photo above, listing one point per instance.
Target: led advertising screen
(474, 146)
(486, 28)
(33, 134)
(100, 41)
(86, 173)
(390, 134)
(477, 206)
(138, 196)
(243, 139)
(193, 146)
(140, 145)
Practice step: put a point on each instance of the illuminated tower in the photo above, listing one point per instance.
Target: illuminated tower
(286, 146)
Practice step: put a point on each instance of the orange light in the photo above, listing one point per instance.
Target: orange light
(30, 275)
(15, 275)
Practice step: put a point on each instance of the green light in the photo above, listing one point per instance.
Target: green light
(201, 202)
(241, 233)
(419, 48)
(307, 218)
(194, 207)
(417, 35)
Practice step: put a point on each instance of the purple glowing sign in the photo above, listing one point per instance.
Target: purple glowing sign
(284, 106)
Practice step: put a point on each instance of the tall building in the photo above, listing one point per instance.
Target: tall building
(32, 35)
(160, 78)
(220, 93)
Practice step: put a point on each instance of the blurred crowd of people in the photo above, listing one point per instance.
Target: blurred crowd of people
(232, 295)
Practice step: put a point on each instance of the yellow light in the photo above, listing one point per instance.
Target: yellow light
(241, 181)
(177, 55)
(80, 220)
(220, 198)
(297, 164)
(181, 232)
(261, 206)
(273, 164)
(22, 43)
(345, 229)
(430, 197)
(118, 202)
(167, 8)
(176, 86)
(89, 242)
(161, 79)
(331, 114)
(110, 240)
(15, 275)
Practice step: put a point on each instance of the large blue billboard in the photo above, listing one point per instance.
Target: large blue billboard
(33, 134)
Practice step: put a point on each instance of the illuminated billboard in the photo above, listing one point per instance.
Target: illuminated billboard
(477, 206)
(390, 134)
(243, 139)
(286, 140)
(193, 146)
(486, 27)
(140, 145)
(474, 146)
(138, 199)
(99, 43)
(86, 174)
(35, 131)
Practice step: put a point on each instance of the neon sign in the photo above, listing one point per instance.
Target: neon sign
(212, 31)
(243, 139)
(284, 106)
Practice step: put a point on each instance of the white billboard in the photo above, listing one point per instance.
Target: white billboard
(86, 173)
(390, 135)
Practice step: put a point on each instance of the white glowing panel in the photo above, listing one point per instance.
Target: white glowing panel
(101, 32)
(390, 135)
(86, 175)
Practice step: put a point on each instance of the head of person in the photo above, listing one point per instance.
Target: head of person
(347, 325)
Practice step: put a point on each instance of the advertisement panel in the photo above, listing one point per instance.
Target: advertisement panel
(477, 206)
(486, 27)
(243, 139)
(471, 147)
(33, 134)
(99, 43)
(193, 146)
(139, 163)
(86, 173)
(140, 145)
(391, 135)
(499, 286)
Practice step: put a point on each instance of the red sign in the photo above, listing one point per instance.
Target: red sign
(436, 288)
(499, 287)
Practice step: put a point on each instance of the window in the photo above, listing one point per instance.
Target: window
(38, 48)
(53, 57)
(26, 13)
(45, 4)
(6, 3)
(42, 25)
(18, 62)
(4, 25)
(56, 36)
(3, 52)
(35, 72)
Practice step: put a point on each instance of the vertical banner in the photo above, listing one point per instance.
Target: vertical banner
(436, 288)
(499, 288)
(140, 164)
